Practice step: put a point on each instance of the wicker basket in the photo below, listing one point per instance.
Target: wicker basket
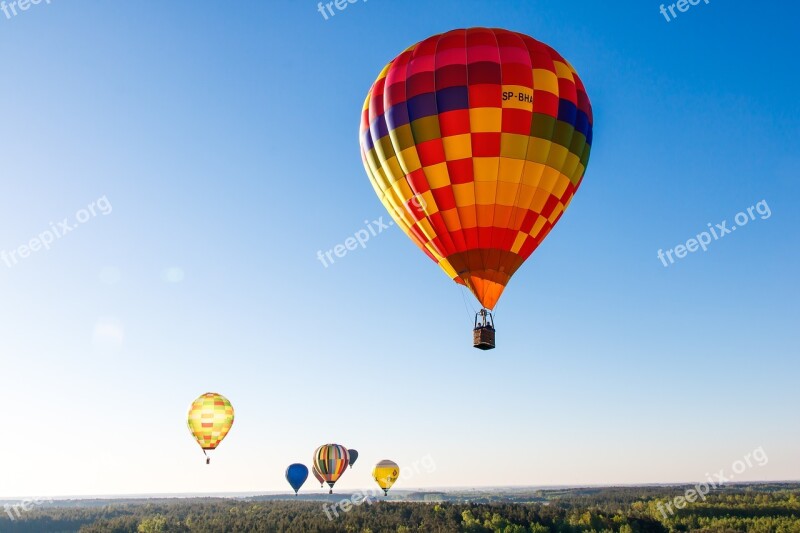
(483, 338)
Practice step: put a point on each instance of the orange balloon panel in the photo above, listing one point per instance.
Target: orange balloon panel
(476, 141)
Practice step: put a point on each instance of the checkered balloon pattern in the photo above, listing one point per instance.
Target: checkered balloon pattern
(210, 419)
(475, 141)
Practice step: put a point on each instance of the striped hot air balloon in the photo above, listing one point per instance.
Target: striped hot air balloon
(210, 420)
(331, 460)
(475, 141)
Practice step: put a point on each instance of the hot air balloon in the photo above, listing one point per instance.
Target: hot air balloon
(296, 475)
(318, 475)
(386, 473)
(331, 461)
(210, 419)
(475, 141)
(353, 455)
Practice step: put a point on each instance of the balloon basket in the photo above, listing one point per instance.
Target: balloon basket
(484, 334)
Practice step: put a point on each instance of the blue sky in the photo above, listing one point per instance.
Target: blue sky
(224, 138)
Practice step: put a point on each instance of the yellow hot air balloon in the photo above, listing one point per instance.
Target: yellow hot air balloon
(210, 419)
(386, 473)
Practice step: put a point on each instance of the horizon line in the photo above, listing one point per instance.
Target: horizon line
(250, 494)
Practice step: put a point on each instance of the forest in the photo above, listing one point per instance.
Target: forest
(773, 507)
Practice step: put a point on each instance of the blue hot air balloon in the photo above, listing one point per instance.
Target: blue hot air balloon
(296, 475)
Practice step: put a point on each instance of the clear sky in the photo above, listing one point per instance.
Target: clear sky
(221, 141)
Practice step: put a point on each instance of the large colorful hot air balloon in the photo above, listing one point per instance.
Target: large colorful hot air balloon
(210, 419)
(353, 455)
(475, 141)
(318, 475)
(331, 461)
(386, 473)
(296, 475)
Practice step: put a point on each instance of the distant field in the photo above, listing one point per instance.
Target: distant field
(773, 507)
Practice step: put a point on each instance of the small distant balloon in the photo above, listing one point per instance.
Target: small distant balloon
(385, 474)
(296, 475)
(318, 476)
(353, 454)
(210, 420)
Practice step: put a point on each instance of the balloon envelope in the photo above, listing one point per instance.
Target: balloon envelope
(475, 141)
(353, 455)
(331, 461)
(210, 419)
(385, 474)
(296, 475)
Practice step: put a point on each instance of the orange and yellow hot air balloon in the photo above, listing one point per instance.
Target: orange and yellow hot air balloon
(210, 419)
(475, 141)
